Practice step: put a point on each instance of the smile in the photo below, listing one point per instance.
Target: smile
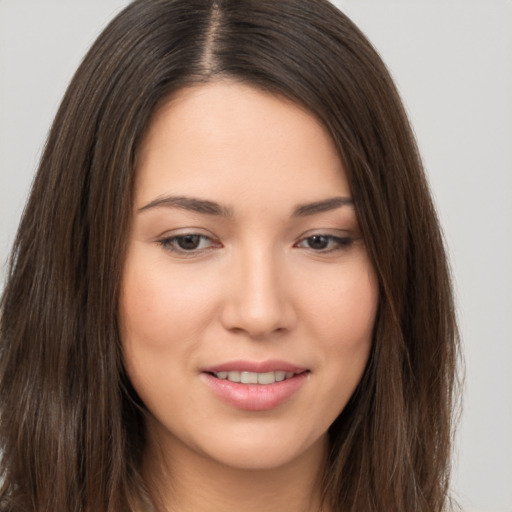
(255, 386)
(245, 377)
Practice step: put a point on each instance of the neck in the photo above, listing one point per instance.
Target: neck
(185, 481)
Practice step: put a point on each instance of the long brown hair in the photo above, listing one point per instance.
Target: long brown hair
(72, 429)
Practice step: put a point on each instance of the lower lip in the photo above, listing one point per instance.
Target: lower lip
(255, 397)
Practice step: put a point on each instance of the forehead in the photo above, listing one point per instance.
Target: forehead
(232, 141)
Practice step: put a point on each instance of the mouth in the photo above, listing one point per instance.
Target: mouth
(255, 386)
(263, 378)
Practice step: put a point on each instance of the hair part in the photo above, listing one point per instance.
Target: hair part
(72, 428)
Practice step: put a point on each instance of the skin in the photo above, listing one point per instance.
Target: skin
(256, 285)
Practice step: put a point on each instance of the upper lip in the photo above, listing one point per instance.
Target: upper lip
(272, 365)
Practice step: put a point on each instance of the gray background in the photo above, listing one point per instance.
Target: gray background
(452, 61)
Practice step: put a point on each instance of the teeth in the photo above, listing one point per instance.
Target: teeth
(280, 376)
(255, 378)
(248, 378)
(266, 378)
(234, 376)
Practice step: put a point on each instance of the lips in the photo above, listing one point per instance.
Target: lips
(255, 386)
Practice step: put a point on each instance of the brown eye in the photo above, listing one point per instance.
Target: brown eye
(324, 243)
(318, 242)
(189, 243)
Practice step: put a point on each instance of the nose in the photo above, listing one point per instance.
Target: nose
(258, 301)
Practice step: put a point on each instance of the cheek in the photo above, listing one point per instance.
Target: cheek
(156, 303)
(359, 305)
(160, 316)
(344, 306)
(158, 319)
(345, 328)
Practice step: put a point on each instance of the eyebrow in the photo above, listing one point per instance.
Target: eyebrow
(191, 204)
(322, 206)
(207, 207)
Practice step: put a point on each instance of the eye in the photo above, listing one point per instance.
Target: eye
(189, 243)
(324, 243)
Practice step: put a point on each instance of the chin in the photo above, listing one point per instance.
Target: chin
(267, 451)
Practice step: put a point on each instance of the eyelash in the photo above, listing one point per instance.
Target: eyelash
(332, 243)
(172, 243)
(339, 243)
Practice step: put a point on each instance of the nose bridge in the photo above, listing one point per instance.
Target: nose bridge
(258, 302)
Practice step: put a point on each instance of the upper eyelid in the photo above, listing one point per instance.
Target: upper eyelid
(169, 243)
(330, 232)
(336, 238)
(187, 231)
(183, 235)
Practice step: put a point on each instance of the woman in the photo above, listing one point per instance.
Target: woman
(229, 287)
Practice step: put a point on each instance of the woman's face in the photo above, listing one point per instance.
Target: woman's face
(245, 263)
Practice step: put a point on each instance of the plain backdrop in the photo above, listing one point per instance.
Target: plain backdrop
(452, 61)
